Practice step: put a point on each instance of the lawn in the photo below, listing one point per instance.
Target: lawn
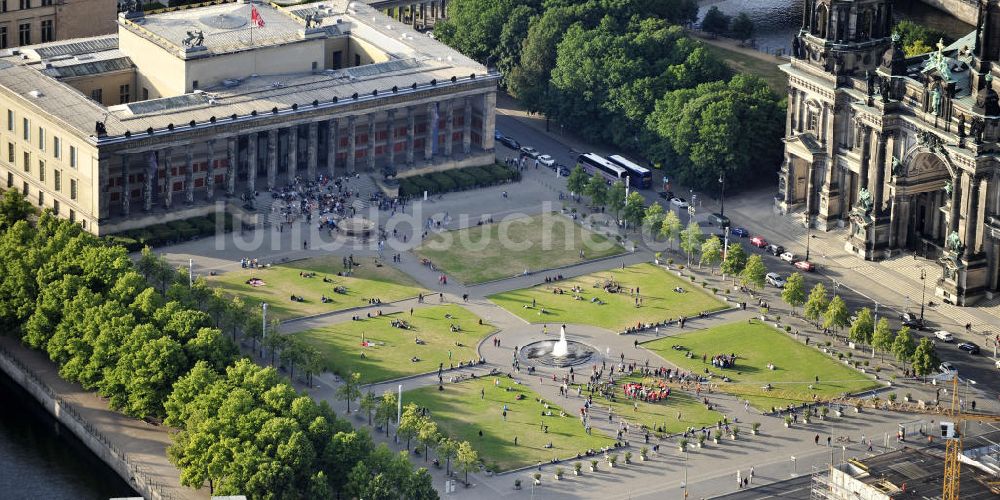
(662, 414)
(492, 251)
(756, 345)
(389, 350)
(461, 412)
(656, 287)
(281, 281)
(742, 63)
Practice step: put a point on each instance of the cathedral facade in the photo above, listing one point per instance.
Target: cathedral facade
(902, 151)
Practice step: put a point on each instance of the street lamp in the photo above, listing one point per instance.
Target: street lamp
(263, 327)
(808, 236)
(685, 484)
(722, 202)
(923, 292)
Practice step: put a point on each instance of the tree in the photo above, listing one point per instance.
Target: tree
(13, 207)
(670, 230)
(836, 316)
(924, 358)
(597, 190)
(386, 411)
(882, 338)
(691, 240)
(742, 27)
(447, 448)
(862, 327)
(428, 435)
(711, 252)
(652, 220)
(794, 292)
(616, 197)
(754, 273)
(410, 423)
(715, 21)
(369, 403)
(916, 38)
(735, 261)
(817, 303)
(635, 208)
(903, 346)
(467, 458)
(350, 389)
(577, 180)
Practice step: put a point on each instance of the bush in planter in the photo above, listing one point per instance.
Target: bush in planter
(643, 453)
(537, 477)
(517, 484)
(701, 440)
(670, 261)
(628, 457)
(909, 397)
(788, 420)
(715, 291)
(788, 328)
(560, 472)
(593, 466)
(892, 397)
(612, 459)
(755, 428)
(577, 467)
(734, 432)
(823, 412)
(683, 444)
(827, 343)
(692, 278)
(704, 284)
(716, 435)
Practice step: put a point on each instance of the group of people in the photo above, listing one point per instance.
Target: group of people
(650, 394)
(724, 361)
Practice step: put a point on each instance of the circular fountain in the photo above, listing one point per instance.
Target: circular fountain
(356, 227)
(560, 353)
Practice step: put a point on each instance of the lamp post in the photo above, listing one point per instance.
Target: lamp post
(263, 327)
(808, 237)
(685, 484)
(190, 273)
(923, 292)
(722, 197)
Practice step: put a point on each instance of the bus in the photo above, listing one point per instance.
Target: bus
(640, 177)
(594, 163)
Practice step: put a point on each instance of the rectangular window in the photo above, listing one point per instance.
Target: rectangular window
(55, 207)
(194, 85)
(24, 189)
(97, 95)
(57, 179)
(24, 34)
(41, 170)
(27, 161)
(10, 153)
(47, 30)
(26, 133)
(145, 94)
(3, 6)
(3, 32)
(41, 197)
(10, 120)
(41, 139)
(338, 59)
(72, 216)
(72, 189)
(46, 3)
(10, 179)
(357, 60)
(56, 146)
(123, 94)
(72, 156)
(25, 4)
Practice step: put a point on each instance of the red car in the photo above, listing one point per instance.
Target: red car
(758, 241)
(805, 265)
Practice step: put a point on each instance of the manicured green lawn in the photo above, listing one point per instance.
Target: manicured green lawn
(280, 282)
(461, 412)
(656, 287)
(756, 345)
(742, 63)
(661, 414)
(391, 349)
(508, 247)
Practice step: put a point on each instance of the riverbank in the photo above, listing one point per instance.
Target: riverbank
(134, 449)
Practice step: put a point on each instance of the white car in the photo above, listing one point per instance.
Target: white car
(546, 160)
(679, 202)
(775, 280)
(788, 257)
(944, 336)
(947, 367)
(529, 151)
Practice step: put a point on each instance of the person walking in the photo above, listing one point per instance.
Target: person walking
(750, 476)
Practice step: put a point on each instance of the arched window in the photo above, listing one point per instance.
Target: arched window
(819, 26)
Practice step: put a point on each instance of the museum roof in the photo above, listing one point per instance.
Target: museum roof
(415, 61)
(921, 472)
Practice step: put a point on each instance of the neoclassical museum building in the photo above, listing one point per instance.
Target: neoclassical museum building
(900, 150)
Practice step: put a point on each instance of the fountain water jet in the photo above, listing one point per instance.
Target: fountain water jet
(561, 348)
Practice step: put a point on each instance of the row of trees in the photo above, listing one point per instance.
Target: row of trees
(624, 72)
(740, 27)
(156, 348)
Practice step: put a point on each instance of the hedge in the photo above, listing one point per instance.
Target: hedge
(458, 179)
(169, 232)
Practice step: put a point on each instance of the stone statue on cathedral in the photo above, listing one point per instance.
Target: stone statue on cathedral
(865, 201)
(954, 242)
(987, 101)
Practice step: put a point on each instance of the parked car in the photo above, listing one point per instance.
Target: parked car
(788, 257)
(775, 250)
(529, 151)
(497, 134)
(805, 265)
(947, 367)
(944, 336)
(679, 202)
(758, 241)
(509, 142)
(739, 232)
(969, 347)
(775, 280)
(719, 220)
(546, 160)
(666, 195)
(911, 320)
(563, 170)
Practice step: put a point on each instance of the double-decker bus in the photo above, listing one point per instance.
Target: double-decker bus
(641, 176)
(595, 163)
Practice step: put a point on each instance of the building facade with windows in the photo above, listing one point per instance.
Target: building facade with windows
(27, 22)
(186, 108)
(902, 151)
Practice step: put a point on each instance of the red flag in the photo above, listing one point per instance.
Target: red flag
(255, 17)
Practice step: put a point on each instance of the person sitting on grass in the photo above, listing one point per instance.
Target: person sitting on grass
(419, 341)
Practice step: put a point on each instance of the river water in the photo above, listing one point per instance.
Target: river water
(777, 21)
(40, 459)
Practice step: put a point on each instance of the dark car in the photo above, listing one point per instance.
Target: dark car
(719, 220)
(739, 232)
(563, 169)
(969, 347)
(666, 195)
(497, 135)
(912, 320)
(509, 142)
(775, 250)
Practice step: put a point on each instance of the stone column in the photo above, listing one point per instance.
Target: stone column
(168, 175)
(272, 158)
(431, 137)
(232, 143)
(789, 180)
(877, 172)
(903, 215)
(370, 154)
(103, 191)
(971, 216)
(312, 150)
(810, 171)
(955, 191)
(332, 138)
(252, 162)
(147, 188)
(467, 126)
(413, 15)
(449, 126)
(189, 176)
(489, 120)
(352, 142)
(789, 122)
(210, 177)
(390, 140)
(126, 187)
(866, 153)
(293, 153)
(411, 120)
